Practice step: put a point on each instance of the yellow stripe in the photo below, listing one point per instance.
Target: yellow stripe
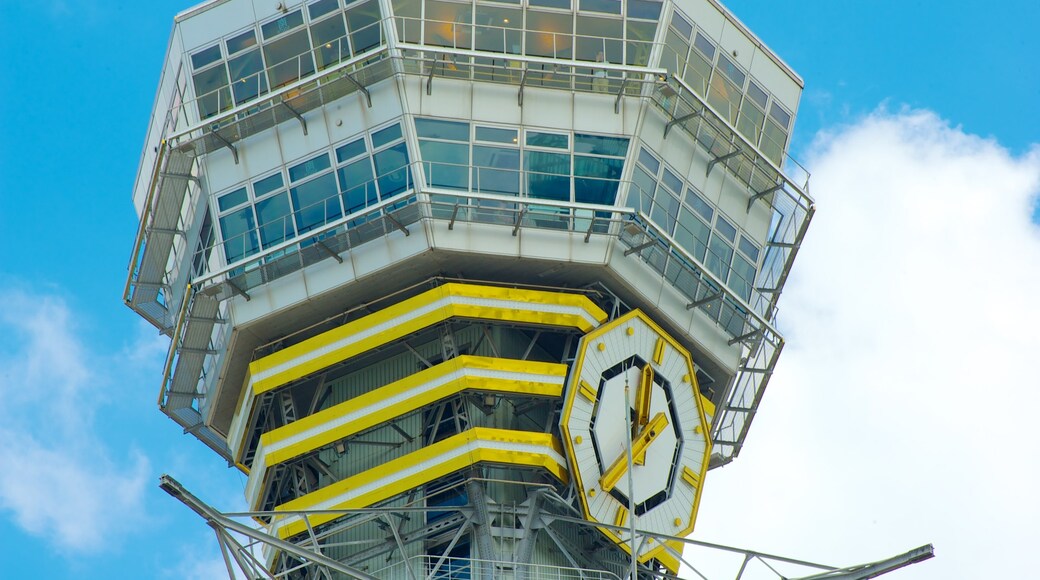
(587, 391)
(690, 477)
(407, 326)
(405, 482)
(423, 397)
(621, 517)
(667, 559)
(659, 350)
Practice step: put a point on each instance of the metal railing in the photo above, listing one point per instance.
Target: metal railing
(433, 567)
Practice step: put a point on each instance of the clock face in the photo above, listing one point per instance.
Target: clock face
(635, 432)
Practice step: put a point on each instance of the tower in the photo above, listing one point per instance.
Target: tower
(468, 289)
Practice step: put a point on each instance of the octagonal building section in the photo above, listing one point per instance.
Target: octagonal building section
(313, 168)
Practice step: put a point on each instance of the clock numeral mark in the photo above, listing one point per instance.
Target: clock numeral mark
(587, 391)
(659, 350)
(621, 517)
(690, 477)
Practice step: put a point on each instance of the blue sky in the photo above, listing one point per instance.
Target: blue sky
(933, 101)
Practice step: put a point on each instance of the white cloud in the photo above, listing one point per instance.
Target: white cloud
(902, 409)
(58, 480)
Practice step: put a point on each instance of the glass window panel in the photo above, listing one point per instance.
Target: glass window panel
(289, 58)
(719, 256)
(322, 7)
(726, 229)
(211, 91)
(706, 46)
(731, 70)
(283, 24)
(206, 56)
(672, 181)
(724, 96)
(598, 167)
(782, 117)
(445, 164)
(699, 205)
(230, 200)
(749, 248)
(647, 9)
(439, 129)
(665, 210)
(496, 135)
(330, 38)
(498, 29)
(743, 277)
(599, 145)
(275, 224)
(350, 150)
(649, 161)
(548, 175)
(363, 21)
(241, 42)
(248, 79)
(239, 233)
(774, 139)
(309, 167)
(551, 3)
(267, 185)
(357, 186)
(692, 234)
(538, 139)
(599, 39)
(642, 190)
(387, 135)
(407, 14)
(756, 94)
(601, 191)
(448, 24)
(316, 202)
(496, 169)
(751, 120)
(605, 6)
(676, 51)
(391, 169)
(681, 25)
(640, 37)
(698, 69)
(549, 34)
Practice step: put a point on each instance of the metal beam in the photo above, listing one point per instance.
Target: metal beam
(213, 517)
(187, 176)
(744, 337)
(226, 143)
(751, 201)
(519, 219)
(668, 126)
(296, 114)
(321, 244)
(703, 301)
(875, 569)
(639, 248)
(398, 224)
(360, 87)
(237, 290)
(620, 93)
(721, 159)
(520, 93)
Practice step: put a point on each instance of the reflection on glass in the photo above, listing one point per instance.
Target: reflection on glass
(548, 175)
(391, 170)
(329, 37)
(316, 202)
(289, 58)
(239, 232)
(357, 186)
(272, 213)
(445, 164)
(496, 170)
(247, 77)
(363, 21)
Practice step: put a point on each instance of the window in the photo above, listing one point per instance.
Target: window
(313, 192)
(689, 219)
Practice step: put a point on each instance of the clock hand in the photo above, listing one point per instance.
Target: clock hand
(642, 440)
(643, 394)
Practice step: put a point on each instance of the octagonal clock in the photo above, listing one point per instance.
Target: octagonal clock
(635, 430)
